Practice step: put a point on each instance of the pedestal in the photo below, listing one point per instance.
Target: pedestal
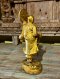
(34, 67)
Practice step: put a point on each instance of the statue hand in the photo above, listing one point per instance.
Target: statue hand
(19, 36)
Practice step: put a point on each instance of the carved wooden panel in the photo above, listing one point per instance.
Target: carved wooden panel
(5, 7)
(10, 29)
(49, 10)
(46, 16)
(40, 10)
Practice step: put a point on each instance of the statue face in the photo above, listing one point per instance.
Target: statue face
(30, 19)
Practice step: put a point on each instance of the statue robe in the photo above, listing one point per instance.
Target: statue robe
(29, 32)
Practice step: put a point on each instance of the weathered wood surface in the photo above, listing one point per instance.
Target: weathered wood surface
(11, 57)
(10, 29)
(46, 15)
(46, 28)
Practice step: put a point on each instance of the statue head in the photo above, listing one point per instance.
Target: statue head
(30, 19)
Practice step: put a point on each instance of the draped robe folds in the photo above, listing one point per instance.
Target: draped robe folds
(29, 32)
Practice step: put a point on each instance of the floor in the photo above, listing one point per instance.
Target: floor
(11, 57)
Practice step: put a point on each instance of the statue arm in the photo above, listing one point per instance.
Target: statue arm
(34, 31)
(21, 36)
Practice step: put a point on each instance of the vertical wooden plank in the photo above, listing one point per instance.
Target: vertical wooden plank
(28, 8)
(59, 10)
(0, 10)
(32, 8)
(55, 10)
(50, 11)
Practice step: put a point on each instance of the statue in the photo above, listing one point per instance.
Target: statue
(29, 34)
(6, 11)
(5, 8)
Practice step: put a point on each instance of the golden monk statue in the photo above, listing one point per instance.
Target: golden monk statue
(29, 34)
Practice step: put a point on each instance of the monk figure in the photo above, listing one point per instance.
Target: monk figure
(29, 34)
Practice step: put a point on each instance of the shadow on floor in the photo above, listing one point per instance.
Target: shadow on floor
(39, 55)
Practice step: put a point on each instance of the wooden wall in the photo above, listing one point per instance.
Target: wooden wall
(44, 10)
(46, 15)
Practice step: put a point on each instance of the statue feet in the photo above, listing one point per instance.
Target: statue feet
(32, 67)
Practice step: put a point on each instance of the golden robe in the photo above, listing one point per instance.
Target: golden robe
(29, 32)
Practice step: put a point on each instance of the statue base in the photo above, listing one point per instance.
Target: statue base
(33, 67)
